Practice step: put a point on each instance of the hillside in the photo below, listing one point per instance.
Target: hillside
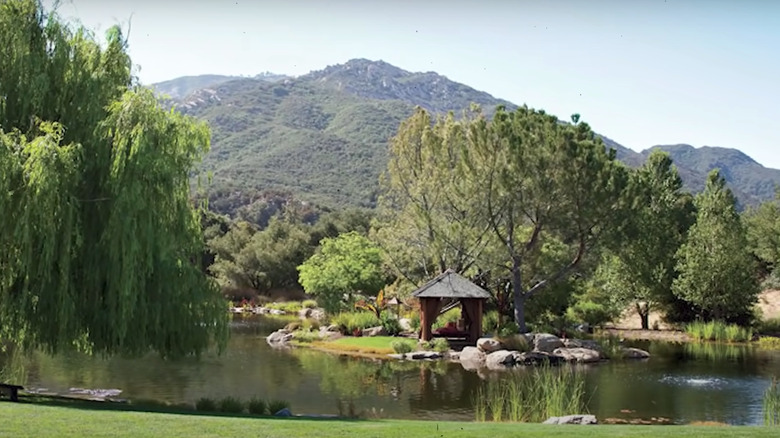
(184, 86)
(322, 137)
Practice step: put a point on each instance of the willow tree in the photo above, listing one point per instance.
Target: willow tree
(100, 241)
(426, 220)
(550, 192)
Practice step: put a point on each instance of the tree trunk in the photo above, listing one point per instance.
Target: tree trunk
(644, 315)
(518, 295)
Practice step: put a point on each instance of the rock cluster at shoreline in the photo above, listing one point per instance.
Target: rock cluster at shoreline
(547, 349)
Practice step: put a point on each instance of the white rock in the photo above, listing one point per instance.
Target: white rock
(488, 345)
(578, 354)
(500, 359)
(472, 358)
(546, 342)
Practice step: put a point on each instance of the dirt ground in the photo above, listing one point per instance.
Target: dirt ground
(629, 325)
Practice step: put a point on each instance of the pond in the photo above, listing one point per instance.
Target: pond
(681, 382)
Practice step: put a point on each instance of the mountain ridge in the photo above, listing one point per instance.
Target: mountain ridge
(322, 136)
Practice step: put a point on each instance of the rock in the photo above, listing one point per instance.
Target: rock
(275, 311)
(279, 338)
(488, 345)
(536, 358)
(472, 358)
(546, 342)
(304, 313)
(423, 355)
(572, 419)
(578, 354)
(500, 359)
(634, 353)
(332, 328)
(317, 314)
(285, 412)
(406, 324)
(453, 355)
(375, 331)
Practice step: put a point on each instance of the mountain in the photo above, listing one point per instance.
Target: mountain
(750, 181)
(322, 137)
(184, 86)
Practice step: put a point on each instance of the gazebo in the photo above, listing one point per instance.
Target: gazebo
(448, 288)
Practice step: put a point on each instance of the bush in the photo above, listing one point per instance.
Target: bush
(439, 345)
(589, 312)
(515, 343)
(257, 406)
(452, 315)
(275, 406)
(490, 322)
(414, 322)
(309, 304)
(350, 322)
(402, 347)
(391, 325)
(769, 326)
(205, 404)
(306, 336)
(232, 405)
(286, 306)
(310, 324)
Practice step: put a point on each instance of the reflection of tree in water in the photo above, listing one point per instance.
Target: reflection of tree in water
(445, 386)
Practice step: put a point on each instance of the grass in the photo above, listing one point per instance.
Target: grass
(349, 322)
(39, 420)
(769, 342)
(286, 306)
(532, 396)
(718, 331)
(362, 344)
(772, 404)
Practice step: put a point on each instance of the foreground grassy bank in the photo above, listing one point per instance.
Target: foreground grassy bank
(80, 420)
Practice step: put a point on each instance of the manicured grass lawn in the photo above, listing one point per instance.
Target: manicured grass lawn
(83, 420)
(362, 344)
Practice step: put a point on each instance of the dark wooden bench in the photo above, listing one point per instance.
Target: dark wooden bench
(12, 391)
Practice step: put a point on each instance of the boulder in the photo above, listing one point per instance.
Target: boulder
(578, 354)
(488, 345)
(284, 412)
(536, 358)
(279, 338)
(406, 324)
(472, 358)
(634, 353)
(375, 331)
(317, 314)
(572, 419)
(500, 359)
(304, 313)
(546, 342)
(424, 355)
(275, 311)
(332, 328)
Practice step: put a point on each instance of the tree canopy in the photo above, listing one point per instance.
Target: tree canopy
(101, 243)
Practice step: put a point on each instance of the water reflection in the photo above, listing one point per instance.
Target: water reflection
(691, 382)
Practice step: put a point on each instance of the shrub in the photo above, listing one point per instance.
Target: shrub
(402, 347)
(275, 406)
(391, 325)
(515, 342)
(206, 404)
(414, 322)
(350, 322)
(769, 343)
(310, 324)
(286, 306)
(490, 322)
(589, 312)
(309, 304)
(306, 336)
(439, 345)
(232, 405)
(769, 326)
(452, 315)
(257, 406)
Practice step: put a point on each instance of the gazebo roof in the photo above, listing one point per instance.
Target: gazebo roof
(450, 284)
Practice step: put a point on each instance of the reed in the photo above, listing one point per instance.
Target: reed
(718, 331)
(772, 404)
(532, 396)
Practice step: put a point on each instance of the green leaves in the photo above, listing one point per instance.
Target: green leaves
(347, 264)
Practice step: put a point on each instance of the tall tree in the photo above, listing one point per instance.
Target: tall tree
(100, 242)
(763, 228)
(641, 267)
(717, 272)
(545, 185)
(426, 219)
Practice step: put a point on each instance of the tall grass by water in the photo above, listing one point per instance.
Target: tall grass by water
(718, 331)
(532, 396)
(772, 404)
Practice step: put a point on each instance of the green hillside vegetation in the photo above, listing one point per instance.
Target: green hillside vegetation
(323, 137)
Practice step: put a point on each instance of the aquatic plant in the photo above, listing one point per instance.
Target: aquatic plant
(231, 405)
(275, 406)
(205, 404)
(257, 406)
(769, 342)
(718, 331)
(532, 395)
(772, 404)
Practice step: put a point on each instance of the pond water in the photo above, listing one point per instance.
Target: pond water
(681, 382)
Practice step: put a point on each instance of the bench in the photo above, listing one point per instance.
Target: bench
(12, 391)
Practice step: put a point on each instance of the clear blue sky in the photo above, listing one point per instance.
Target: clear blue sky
(642, 72)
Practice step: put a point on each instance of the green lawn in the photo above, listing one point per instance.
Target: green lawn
(83, 420)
